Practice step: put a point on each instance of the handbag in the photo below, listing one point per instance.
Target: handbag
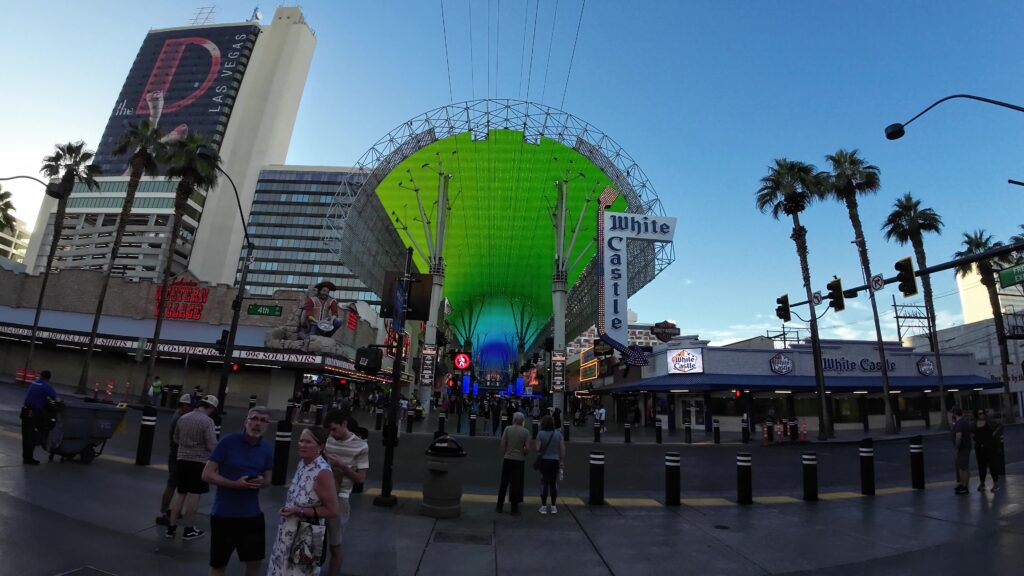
(309, 543)
(540, 456)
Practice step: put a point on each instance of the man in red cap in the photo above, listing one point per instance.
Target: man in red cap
(321, 311)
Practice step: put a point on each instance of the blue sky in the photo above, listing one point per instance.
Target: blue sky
(704, 95)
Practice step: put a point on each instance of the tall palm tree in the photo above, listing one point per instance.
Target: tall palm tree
(70, 163)
(906, 223)
(145, 144)
(194, 173)
(850, 178)
(788, 189)
(6, 212)
(976, 243)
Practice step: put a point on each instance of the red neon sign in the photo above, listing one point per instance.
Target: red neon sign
(462, 361)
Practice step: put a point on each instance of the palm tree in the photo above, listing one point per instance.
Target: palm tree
(70, 163)
(145, 143)
(976, 243)
(6, 212)
(788, 189)
(194, 173)
(906, 223)
(852, 176)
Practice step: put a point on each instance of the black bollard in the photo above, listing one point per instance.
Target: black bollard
(771, 430)
(597, 431)
(657, 430)
(810, 462)
(744, 478)
(688, 433)
(472, 424)
(533, 430)
(146, 431)
(289, 412)
(596, 478)
(867, 467)
(380, 419)
(672, 478)
(252, 401)
(628, 432)
(408, 423)
(745, 432)
(504, 422)
(458, 422)
(565, 431)
(717, 431)
(282, 444)
(917, 463)
(441, 419)
(319, 414)
(216, 429)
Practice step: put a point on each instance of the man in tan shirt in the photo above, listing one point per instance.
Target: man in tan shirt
(515, 443)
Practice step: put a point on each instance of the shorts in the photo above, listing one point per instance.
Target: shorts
(963, 459)
(172, 472)
(336, 526)
(246, 535)
(190, 478)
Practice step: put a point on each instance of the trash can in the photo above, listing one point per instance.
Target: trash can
(442, 482)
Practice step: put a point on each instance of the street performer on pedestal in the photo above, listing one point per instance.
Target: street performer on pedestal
(321, 311)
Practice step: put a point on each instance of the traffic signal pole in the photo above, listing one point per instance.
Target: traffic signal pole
(236, 307)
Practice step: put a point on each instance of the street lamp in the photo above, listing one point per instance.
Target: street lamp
(229, 349)
(897, 130)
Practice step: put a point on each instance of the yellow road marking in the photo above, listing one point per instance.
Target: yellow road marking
(839, 495)
(707, 502)
(775, 500)
(893, 490)
(633, 502)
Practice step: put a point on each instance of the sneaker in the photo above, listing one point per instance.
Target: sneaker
(543, 509)
(981, 487)
(191, 533)
(553, 509)
(995, 487)
(961, 490)
(170, 532)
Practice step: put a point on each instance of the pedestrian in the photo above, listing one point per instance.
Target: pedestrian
(983, 449)
(349, 457)
(184, 407)
(550, 447)
(600, 414)
(962, 443)
(556, 415)
(196, 438)
(239, 466)
(33, 416)
(997, 457)
(515, 443)
(312, 496)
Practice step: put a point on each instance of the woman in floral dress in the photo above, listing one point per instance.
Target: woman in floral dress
(312, 494)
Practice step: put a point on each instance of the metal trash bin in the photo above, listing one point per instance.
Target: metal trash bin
(442, 482)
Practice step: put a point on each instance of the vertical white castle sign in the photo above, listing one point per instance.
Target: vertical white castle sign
(616, 229)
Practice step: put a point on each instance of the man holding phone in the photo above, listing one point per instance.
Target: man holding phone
(239, 466)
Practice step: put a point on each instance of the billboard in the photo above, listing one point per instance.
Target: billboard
(687, 361)
(184, 81)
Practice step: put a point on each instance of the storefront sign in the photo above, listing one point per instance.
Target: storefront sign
(781, 364)
(338, 363)
(925, 366)
(558, 371)
(665, 331)
(687, 361)
(278, 357)
(427, 360)
(184, 300)
(847, 365)
(589, 371)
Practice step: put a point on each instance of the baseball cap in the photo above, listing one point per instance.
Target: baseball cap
(210, 399)
(185, 399)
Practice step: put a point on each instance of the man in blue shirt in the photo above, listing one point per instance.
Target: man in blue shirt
(239, 466)
(33, 416)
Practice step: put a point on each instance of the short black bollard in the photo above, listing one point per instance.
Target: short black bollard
(717, 431)
(657, 430)
(458, 423)
(252, 401)
(628, 432)
(672, 478)
(504, 422)
(810, 462)
(289, 412)
(408, 422)
(319, 414)
(597, 478)
(745, 432)
(472, 424)
(867, 467)
(441, 419)
(534, 428)
(917, 463)
(380, 419)
(770, 426)
(597, 431)
(744, 478)
(688, 433)
(565, 431)
(282, 444)
(146, 431)
(216, 429)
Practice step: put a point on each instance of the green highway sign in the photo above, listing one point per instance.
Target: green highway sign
(264, 310)
(1011, 276)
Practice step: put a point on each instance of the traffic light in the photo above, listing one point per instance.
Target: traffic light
(835, 293)
(221, 345)
(905, 277)
(782, 310)
(234, 367)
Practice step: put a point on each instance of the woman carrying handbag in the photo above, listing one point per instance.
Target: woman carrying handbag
(300, 544)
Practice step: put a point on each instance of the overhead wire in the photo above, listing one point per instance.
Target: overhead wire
(447, 63)
(572, 57)
(551, 41)
(472, 66)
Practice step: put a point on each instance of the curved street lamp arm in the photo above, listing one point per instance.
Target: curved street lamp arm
(241, 214)
(896, 131)
(27, 178)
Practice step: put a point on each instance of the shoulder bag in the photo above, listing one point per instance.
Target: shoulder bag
(540, 456)
(309, 544)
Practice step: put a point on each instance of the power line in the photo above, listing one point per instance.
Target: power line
(447, 64)
(572, 58)
(533, 45)
(522, 57)
(551, 41)
(472, 66)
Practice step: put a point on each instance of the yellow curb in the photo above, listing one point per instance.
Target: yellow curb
(894, 490)
(775, 500)
(633, 502)
(943, 484)
(11, 434)
(707, 502)
(839, 495)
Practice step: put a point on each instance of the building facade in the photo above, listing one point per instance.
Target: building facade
(239, 85)
(14, 243)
